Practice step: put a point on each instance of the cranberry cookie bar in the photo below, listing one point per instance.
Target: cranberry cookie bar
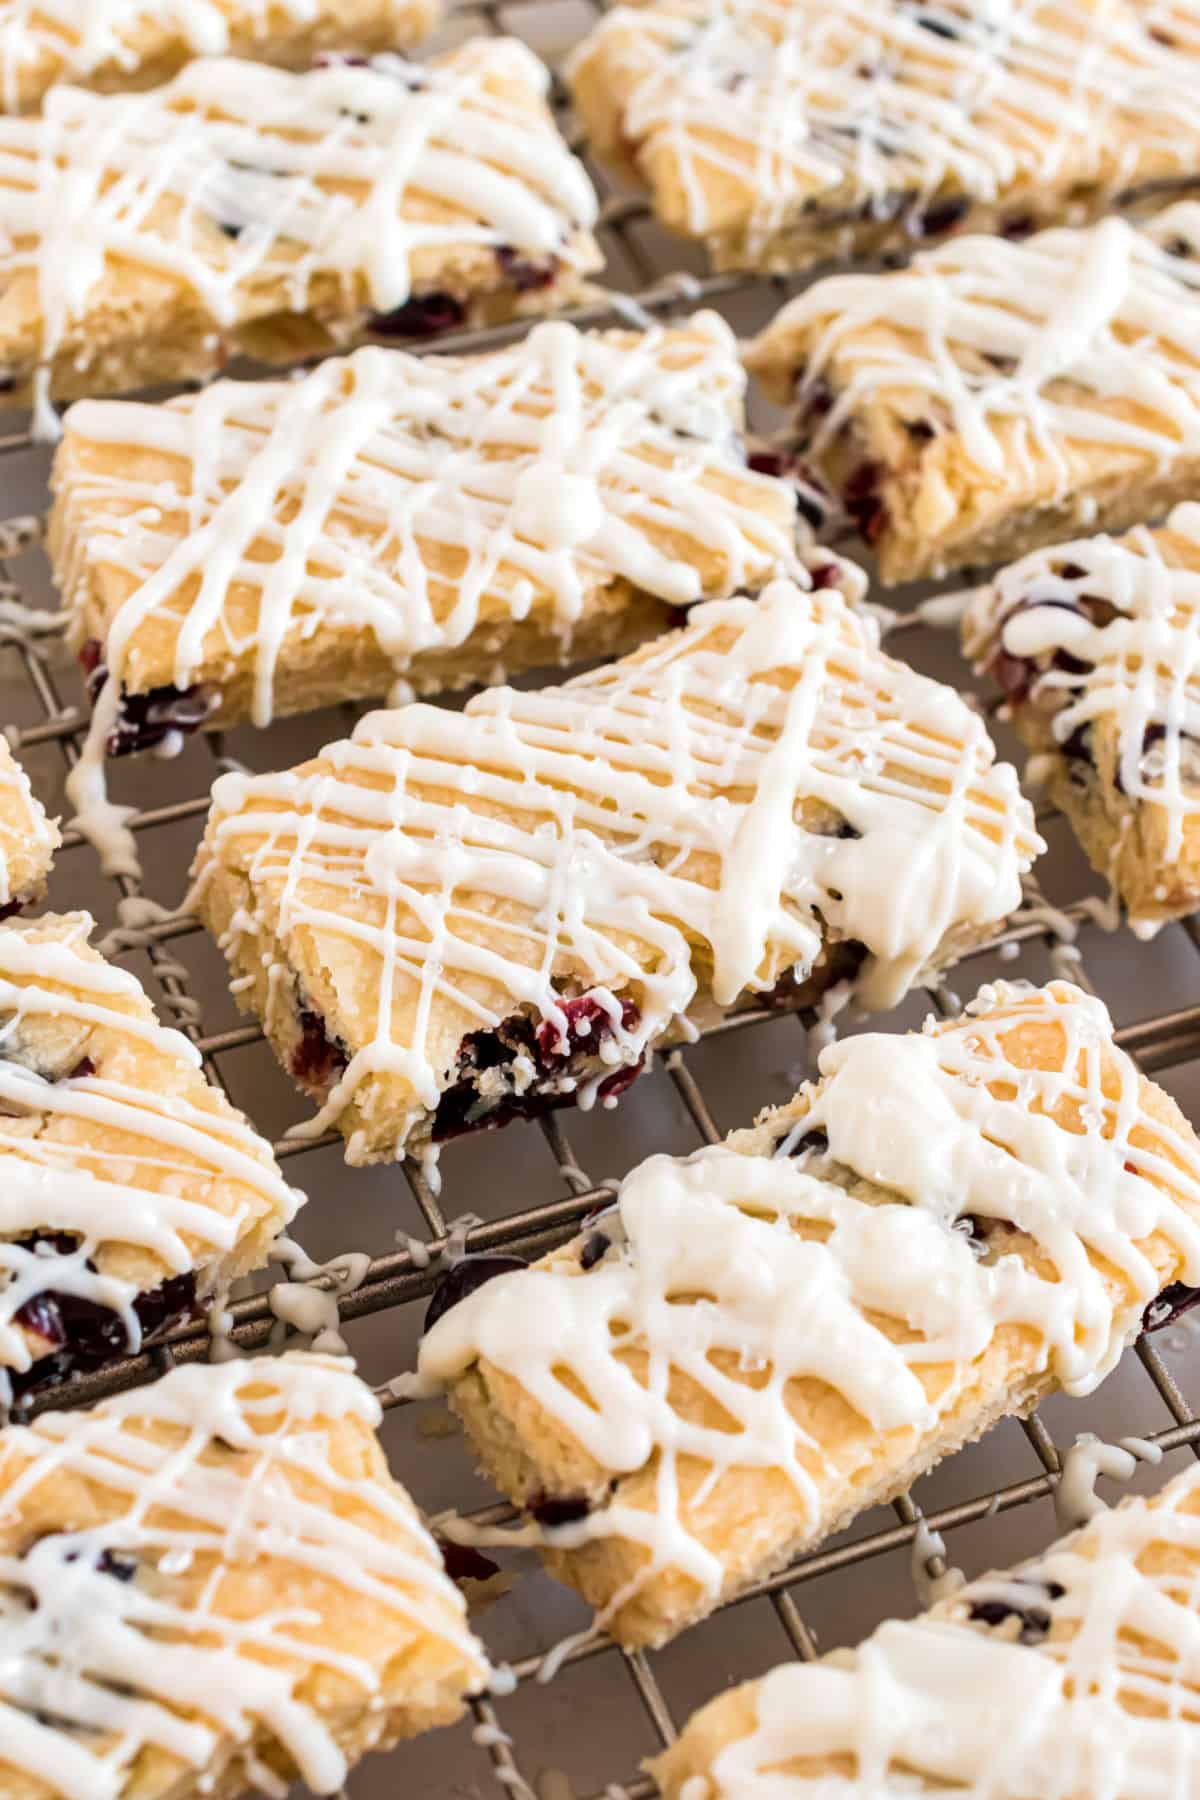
(268, 547)
(765, 1338)
(452, 920)
(1096, 645)
(998, 396)
(787, 132)
(121, 44)
(129, 1188)
(28, 839)
(147, 237)
(1067, 1678)
(212, 1585)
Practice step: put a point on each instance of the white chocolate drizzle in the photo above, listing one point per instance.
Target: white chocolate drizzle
(1102, 1704)
(101, 1157)
(767, 114)
(623, 820)
(234, 1468)
(727, 1264)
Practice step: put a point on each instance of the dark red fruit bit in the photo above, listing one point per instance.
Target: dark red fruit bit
(523, 273)
(593, 1249)
(1170, 1305)
(825, 575)
(936, 219)
(770, 462)
(1018, 225)
(465, 1277)
(1035, 1620)
(588, 1023)
(558, 1509)
(815, 399)
(317, 1058)
(10, 909)
(92, 1335)
(41, 1315)
(146, 720)
(84, 1069)
(815, 1142)
(424, 316)
(463, 1563)
(864, 503)
(91, 656)
(921, 431)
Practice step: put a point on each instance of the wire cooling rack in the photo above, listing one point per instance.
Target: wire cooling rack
(584, 1734)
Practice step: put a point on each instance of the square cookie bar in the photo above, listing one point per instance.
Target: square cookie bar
(28, 839)
(130, 1190)
(762, 1340)
(453, 920)
(212, 1585)
(1096, 645)
(997, 396)
(787, 132)
(149, 237)
(1066, 1677)
(122, 44)
(268, 547)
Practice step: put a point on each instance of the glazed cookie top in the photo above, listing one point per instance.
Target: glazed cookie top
(120, 1166)
(986, 1173)
(414, 497)
(739, 111)
(726, 796)
(218, 1554)
(28, 839)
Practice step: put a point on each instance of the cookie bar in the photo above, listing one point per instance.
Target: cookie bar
(1067, 1677)
(1096, 645)
(129, 1188)
(211, 1585)
(451, 920)
(28, 839)
(999, 396)
(788, 132)
(268, 547)
(767, 1337)
(149, 237)
(122, 44)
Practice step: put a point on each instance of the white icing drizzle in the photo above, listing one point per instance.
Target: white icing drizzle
(756, 107)
(27, 837)
(727, 1263)
(640, 811)
(182, 1182)
(1103, 1706)
(235, 177)
(125, 1666)
(1074, 338)
(409, 497)
(1140, 658)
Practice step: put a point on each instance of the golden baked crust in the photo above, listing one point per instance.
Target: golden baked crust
(148, 237)
(1079, 1653)
(28, 839)
(1095, 646)
(686, 1415)
(114, 45)
(213, 1584)
(999, 396)
(129, 1187)
(447, 521)
(450, 920)
(784, 132)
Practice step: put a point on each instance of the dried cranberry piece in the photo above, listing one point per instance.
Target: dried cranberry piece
(424, 316)
(1035, 1620)
(815, 1142)
(464, 1563)
(1017, 226)
(593, 1249)
(1170, 1305)
(41, 1314)
(523, 273)
(317, 1057)
(558, 1509)
(11, 908)
(466, 1277)
(864, 503)
(93, 1334)
(588, 1024)
(825, 575)
(936, 219)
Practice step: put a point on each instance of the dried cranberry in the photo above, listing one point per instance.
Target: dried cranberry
(1170, 1305)
(593, 1249)
(826, 575)
(317, 1058)
(1035, 1620)
(558, 1509)
(464, 1563)
(11, 908)
(146, 720)
(466, 1277)
(939, 217)
(588, 1023)
(1018, 225)
(424, 316)
(90, 1335)
(864, 503)
(522, 273)
(815, 1143)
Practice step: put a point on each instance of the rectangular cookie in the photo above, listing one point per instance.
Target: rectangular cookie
(440, 521)
(788, 132)
(240, 208)
(451, 920)
(1096, 645)
(764, 1339)
(998, 396)
(1067, 1678)
(28, 839)
(212, 1585)
(124, 44)
(130, 1190)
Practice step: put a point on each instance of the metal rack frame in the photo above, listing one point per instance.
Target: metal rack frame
(406, 1277)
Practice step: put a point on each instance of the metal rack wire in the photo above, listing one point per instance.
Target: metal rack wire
(404, 1277)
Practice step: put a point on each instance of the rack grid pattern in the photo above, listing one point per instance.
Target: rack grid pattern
(406, 1276)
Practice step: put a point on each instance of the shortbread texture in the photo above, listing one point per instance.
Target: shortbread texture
(787, 132)
(212, 1585)
(126, 44)
(756, 801)
(1000, 396)
(269, 547)
(124, 1175)
(1067, 1678)
(766, 1338)
(28, 839)
(1096, 645)
(149, 237)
